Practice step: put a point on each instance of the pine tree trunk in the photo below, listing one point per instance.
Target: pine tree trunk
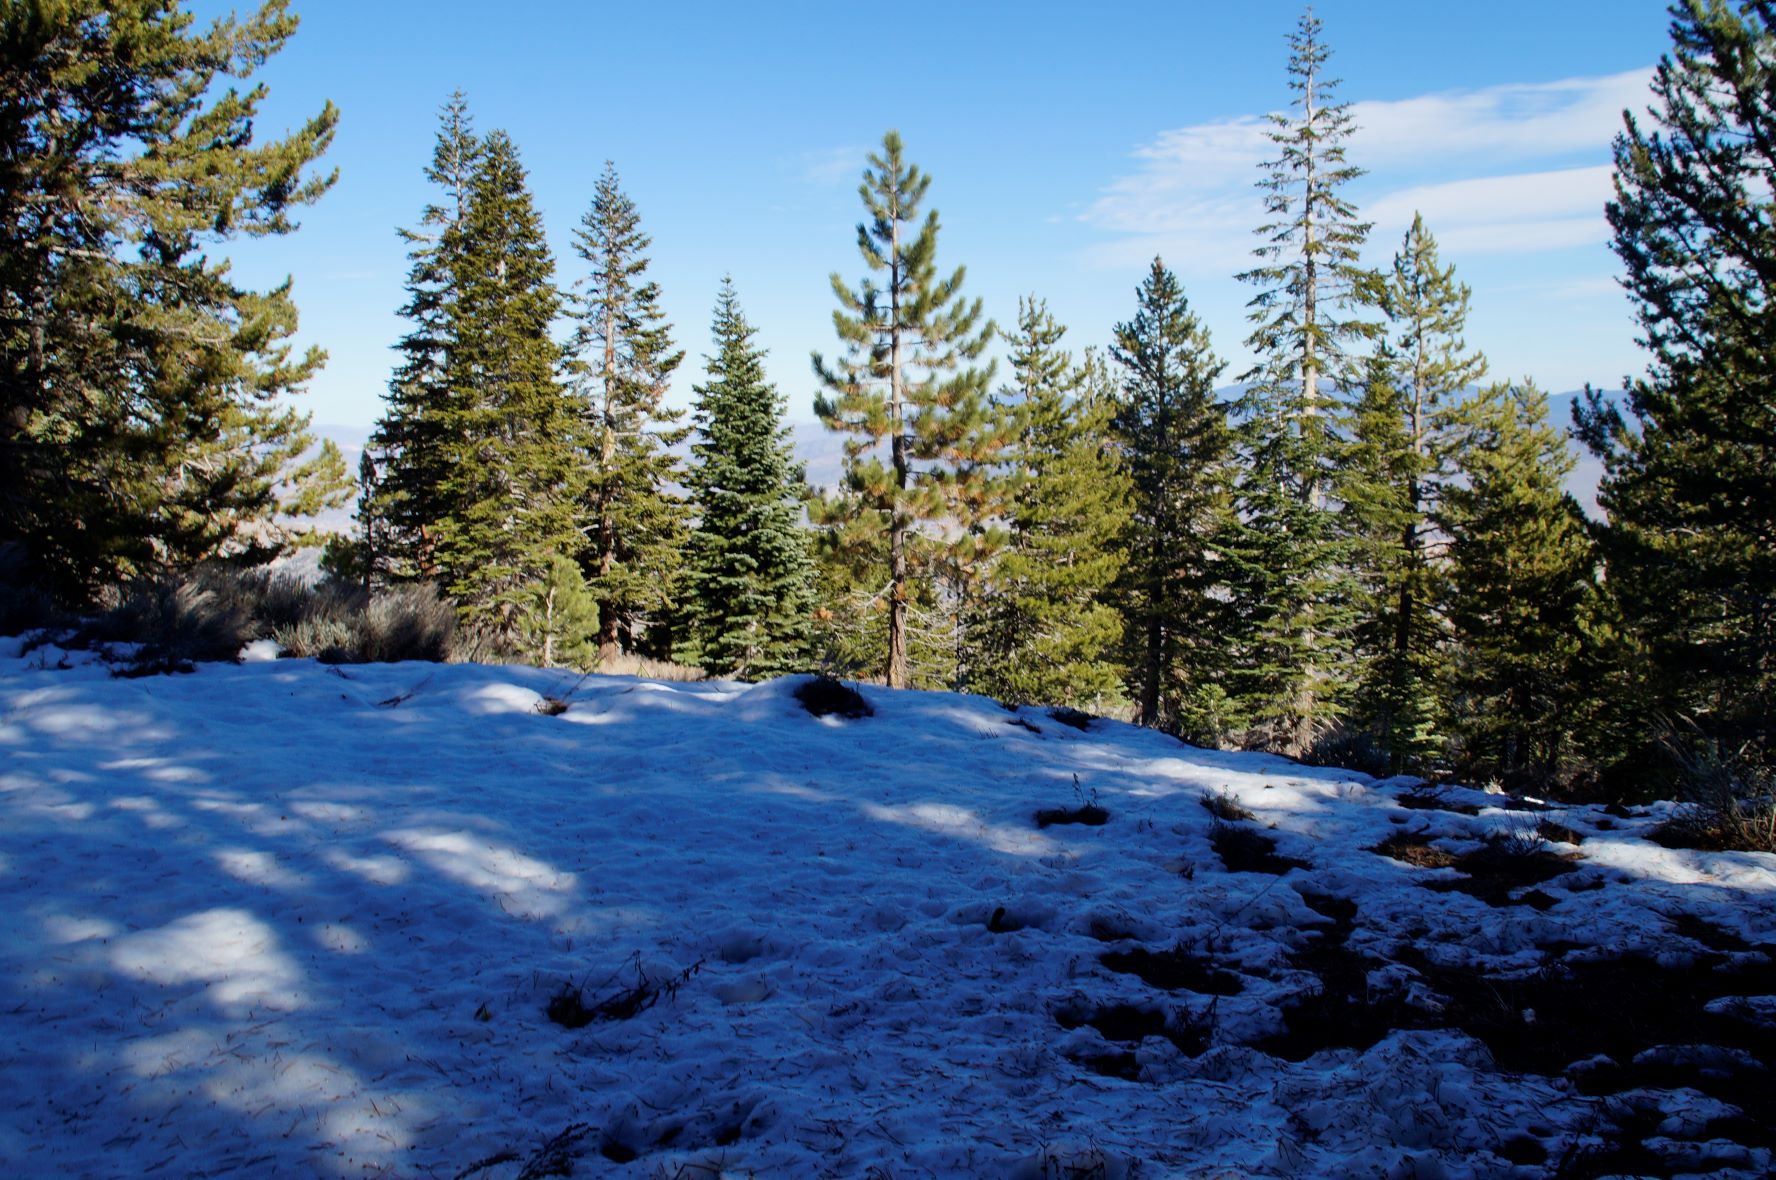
(897, 528)
(609, 647)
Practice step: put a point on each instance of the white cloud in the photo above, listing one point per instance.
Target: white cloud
(1520, 121)
(1191, 198)
(1500, 214)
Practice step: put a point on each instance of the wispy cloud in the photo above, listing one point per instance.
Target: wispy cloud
(833, 166)
(1501, 214)
(1191, 196)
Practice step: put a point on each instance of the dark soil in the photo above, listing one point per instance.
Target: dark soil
(1433, 801)
(1499, 868)
(1178, 969)
(1072, 718)
(826, 696)
(1246, 850)
(1341, 1013)
(1086, 813)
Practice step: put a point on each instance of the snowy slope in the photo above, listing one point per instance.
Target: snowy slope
(282, 919)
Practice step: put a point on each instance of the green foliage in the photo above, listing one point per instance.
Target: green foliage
(1690, 471)
(1045, 629)
(1397, 460)
(560, 618)
(141, 423)
(906, 381)
(1291, 586)
(1177, 451)
(405, 464)
(510, 469)
(623, 360)
(749, 577)
(1521, 580)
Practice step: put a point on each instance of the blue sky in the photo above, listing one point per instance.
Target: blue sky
(1068, 145)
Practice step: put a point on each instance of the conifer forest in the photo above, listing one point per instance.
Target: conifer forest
(1359, 550)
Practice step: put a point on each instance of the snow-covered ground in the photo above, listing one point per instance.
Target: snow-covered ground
(284, 919)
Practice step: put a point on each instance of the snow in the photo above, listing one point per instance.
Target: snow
(280, 918)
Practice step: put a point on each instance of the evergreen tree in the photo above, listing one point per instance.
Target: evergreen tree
(1522, 570)
(1393, 473)
(1690, 471)
(1045, 630)
(623, 365)
(510, 468)
(749, 578)
(561, 621)
(140, 385)
(906, 381)
(404, 468)
(1176, 446)
(1309, 309)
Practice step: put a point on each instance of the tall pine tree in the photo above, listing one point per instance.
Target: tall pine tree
(1522, 569)
(1177, 449)
(405, 463)
(141, 387)
(1310, 308)
(623, 365)
(749, 576)
(1401, 444)
(510, 469)
(906, 380)
(1046, 630)
(1690, 471)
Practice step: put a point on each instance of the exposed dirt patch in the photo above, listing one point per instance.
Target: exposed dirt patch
(1414, 848)
(1559, 833)
(1089, 814)
(1341, 1013)
(1072, 718)
(1247, 850)
(1640, 1026)
(1431, 799)
(827, 696)
(1499, 868)
(1177, 969)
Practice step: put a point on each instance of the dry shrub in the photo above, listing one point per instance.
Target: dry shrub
(1729, 804)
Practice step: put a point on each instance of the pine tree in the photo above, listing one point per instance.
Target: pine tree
(1393, 472)
(1176, 449)
(905, 380)
(1045, 630)
(511, 472)
(1522, 570)
(623, 365)
(561, 621)
(749, 578)
(140, 386)
(405, 467)
(1690, 471)
(1308, 311)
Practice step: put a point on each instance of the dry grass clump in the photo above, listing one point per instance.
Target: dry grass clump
(1729, 804)
(1223, 806)
(647, 668)
(1414, 848)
